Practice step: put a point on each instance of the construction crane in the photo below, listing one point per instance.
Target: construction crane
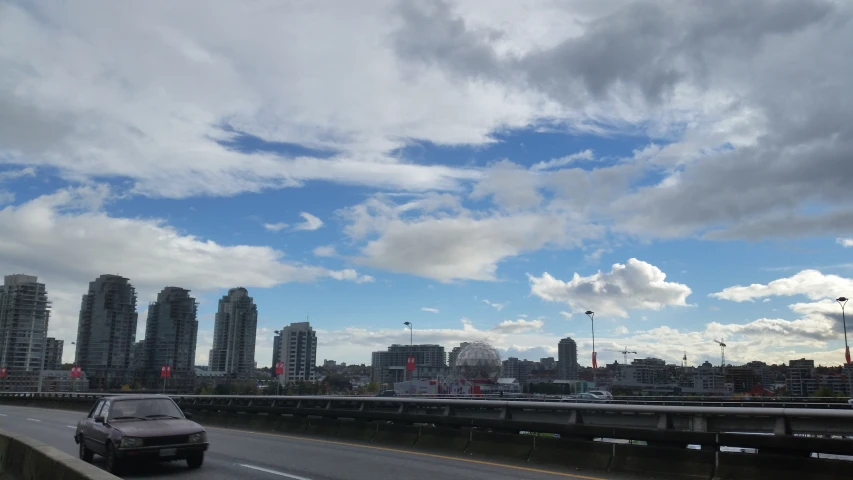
(722, 345)
(624, 353)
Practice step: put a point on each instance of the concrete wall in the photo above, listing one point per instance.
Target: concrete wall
(22, 458)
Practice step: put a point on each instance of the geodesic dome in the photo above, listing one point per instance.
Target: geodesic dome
(478, 361)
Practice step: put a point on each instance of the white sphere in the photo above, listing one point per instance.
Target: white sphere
(478, 360)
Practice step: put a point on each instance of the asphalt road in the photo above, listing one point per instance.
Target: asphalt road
(249, 455)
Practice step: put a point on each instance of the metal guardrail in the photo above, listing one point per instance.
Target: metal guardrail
(518, 414)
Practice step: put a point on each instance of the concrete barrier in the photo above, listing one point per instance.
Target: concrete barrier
(747, 466)
(357, 430)
(673, 462)
(292, 424)
(23, 459)
(396, 436)
(571, 453)
(500, 445)
(323, 427)
(446, 440)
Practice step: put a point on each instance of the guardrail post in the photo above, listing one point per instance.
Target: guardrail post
(448, 412)
(506, 414)
(664, 422)
(782, 427)
(575, 418)
(364, 407)
(698, 423)
(402, 409)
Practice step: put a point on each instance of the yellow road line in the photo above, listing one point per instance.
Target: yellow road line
(430, 455)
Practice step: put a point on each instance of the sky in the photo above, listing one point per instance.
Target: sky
(486, 172)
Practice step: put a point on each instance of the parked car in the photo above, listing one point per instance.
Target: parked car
(144, 427)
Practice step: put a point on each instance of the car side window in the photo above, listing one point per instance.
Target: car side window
(105, 412)
(94, 412)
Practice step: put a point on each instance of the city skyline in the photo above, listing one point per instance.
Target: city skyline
(606, 353)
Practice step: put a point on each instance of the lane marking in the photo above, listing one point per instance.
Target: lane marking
(34, 419)
(2, 414)
(420, 454)
(71, 426)
(274, 472)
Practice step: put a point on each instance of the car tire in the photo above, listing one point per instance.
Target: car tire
(85, 454)
(113, 463)
(195, 460)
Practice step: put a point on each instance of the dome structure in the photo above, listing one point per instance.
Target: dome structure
(478, 361)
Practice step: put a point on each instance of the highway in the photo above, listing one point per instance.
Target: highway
(250, 455)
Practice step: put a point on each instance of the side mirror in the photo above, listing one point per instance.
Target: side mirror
(99, 419)
(188, 415)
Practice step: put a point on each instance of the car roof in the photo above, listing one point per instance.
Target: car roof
(135, 397)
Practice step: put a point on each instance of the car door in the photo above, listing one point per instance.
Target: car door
(88, 425)
(101, 431)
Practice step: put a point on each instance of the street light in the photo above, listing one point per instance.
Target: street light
(277, 377)
(411, 346)
(591, 316)
(843, 301)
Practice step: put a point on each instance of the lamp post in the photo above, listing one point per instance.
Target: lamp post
(277, 377)
(591, 316)
(411, 345)
(843, 301)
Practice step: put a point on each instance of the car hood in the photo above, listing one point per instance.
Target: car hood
(156, 428)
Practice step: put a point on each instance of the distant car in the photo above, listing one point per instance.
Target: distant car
(601, 395)
(387, 393)
(145, 427)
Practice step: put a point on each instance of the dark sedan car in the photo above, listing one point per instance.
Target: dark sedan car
(149, 427)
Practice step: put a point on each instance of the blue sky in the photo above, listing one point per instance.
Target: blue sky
(482, 186)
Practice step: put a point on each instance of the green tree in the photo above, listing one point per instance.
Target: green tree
(372, 387)
(824, 392)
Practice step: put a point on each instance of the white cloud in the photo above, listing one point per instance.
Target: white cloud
(311, 222)
(637, 285)
(561, 162)
(6, 197)
(434, 237)
(621, 330)
(15, 174)
(429, 309)
(518, 326)
(38, 236)
(509, 185)
(325, 251)
(496, 306)
(845, 242)
(275, 227)
(811, 283)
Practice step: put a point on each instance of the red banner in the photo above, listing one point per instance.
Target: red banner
(3, 372)
(165, 371)
(279, 368)
(410, 364)
(75, 372)
(594, 361)
(168, 372)
(847, 354)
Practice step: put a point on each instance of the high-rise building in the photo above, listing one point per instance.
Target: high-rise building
(24, 316)
(298, 352)
(276, 351)
(53, 353)
(509, 368)
(567, 355)
(234, 333)
(800, 381)
(451, 359)
(390, 366)
(106, 332)
(170, 338)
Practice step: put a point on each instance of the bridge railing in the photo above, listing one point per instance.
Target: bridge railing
(600, 435)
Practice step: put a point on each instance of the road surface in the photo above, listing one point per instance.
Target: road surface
(249, 455)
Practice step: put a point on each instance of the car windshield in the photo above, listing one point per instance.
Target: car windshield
(144, 408)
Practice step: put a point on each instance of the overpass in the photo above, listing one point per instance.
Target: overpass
(597, 440)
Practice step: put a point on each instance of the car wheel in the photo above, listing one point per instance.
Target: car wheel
(194, 460)
(113, 464)
(85, 454)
